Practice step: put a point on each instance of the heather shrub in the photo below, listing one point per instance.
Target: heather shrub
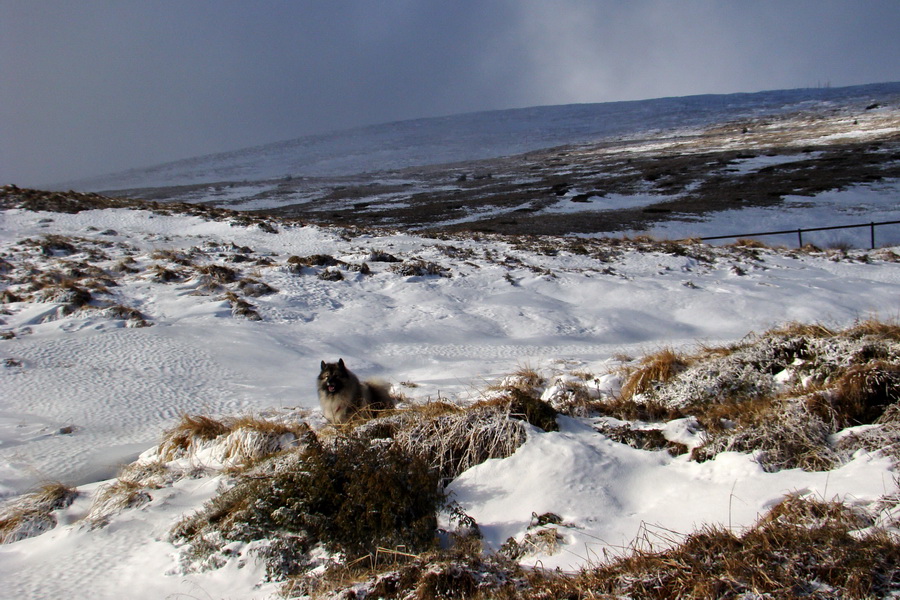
(345, 495)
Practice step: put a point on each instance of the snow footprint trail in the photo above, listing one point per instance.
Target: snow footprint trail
(117, 388)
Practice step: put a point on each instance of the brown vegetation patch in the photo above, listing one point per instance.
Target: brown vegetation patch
(32, 514)
(654, 369)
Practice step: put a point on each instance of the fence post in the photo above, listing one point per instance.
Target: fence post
(800, 238)
(872, 225)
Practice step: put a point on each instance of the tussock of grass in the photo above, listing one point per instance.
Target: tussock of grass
(239, 442)
(115, 497)
(315, 260)
(863, 392)
(802, 547)
(453, 440)
(186, 435)
(132, 316)
(32, 514)
(525, 406)
(161, 274)
(796, 329)
(255, 288)
(635, 410)
(783, 435)
(420, 268)
(174, 256)
(654, 369)
(242, 308)
(219, 274)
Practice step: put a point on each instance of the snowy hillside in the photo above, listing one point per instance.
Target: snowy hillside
(478, 136)
(626, 416)
(674, 167)
(118, 321)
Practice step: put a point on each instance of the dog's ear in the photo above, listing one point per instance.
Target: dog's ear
(341, 364)
(323, 365)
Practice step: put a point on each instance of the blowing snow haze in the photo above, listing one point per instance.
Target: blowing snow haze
(99, 87)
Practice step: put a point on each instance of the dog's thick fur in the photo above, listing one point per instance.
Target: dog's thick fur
(342, 395)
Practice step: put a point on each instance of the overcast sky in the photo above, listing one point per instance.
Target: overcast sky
(89, 87)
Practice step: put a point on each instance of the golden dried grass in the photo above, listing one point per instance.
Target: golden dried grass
(654, 369)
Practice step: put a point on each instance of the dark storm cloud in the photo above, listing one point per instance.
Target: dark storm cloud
(93, 86)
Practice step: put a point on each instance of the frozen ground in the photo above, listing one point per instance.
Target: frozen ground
(846, 158)
(506, 304)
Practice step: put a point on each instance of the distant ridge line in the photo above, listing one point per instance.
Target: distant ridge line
(468, 137)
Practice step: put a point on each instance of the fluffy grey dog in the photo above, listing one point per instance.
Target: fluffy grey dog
(342, 394)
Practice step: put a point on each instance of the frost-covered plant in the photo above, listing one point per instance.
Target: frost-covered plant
(780, 395)
(785, 435)
(453, 440)
(653, 370)
(343, 494)
(420, 268)
(236, 442)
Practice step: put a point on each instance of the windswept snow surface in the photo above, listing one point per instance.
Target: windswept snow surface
(503, 307)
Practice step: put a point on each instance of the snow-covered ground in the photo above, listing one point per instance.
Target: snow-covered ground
(477, 136)
(83, 394)
(857, 206)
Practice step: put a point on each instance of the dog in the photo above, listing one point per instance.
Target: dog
(342, 395)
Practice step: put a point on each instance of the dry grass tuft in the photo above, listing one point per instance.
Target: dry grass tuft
(32, 514)
(342, 494)
(654, 369)
(796, 329)
(115, 497)
(860, 395)
(242, 308)
(453, 440)
(160, 274)
(522, 405)
(782, 433)
(802, 548)
(420, 268)
(633, 410)
(132, 316)
(875, 328)
(218, 274)
(188, 432)
(748, 243)
(238, 442)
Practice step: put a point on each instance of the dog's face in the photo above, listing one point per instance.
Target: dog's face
(333, 377)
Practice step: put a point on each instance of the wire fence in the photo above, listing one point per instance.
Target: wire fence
(801, 231)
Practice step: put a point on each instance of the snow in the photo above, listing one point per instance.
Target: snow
(120, 387)
(84, 394)
(856, 205)
(492, 134)
(609, 495)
